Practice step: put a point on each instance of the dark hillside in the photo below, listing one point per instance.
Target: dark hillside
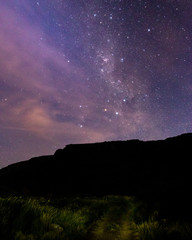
(134, 167)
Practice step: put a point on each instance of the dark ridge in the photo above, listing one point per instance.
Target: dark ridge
(134, 167)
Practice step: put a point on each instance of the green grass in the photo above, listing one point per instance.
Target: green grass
(106, 218)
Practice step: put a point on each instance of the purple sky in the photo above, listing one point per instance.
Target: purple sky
(91, 71)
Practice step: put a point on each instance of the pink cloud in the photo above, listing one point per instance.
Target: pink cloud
(26, 58)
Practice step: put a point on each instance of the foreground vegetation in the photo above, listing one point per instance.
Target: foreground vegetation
(106, 218)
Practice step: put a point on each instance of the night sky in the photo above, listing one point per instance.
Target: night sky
(79, 71)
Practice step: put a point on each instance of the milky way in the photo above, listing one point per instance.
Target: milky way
(91, 71)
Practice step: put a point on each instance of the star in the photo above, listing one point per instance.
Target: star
(106, 60)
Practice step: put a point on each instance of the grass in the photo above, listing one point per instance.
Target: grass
(94, 218)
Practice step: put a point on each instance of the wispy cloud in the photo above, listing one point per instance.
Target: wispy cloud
(46, 97)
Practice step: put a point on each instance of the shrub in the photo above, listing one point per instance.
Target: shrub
(111, 217)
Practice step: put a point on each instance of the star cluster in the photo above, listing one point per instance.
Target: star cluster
(89, 71)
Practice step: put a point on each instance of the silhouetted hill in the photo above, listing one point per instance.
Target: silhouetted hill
(152, 168)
